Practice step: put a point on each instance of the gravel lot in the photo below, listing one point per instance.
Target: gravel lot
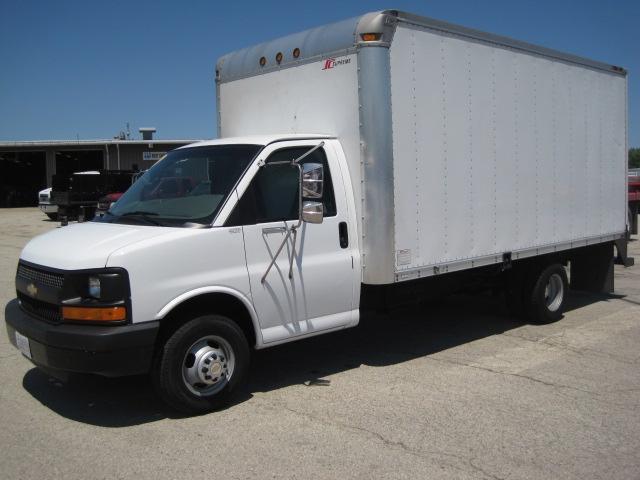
(454, 390)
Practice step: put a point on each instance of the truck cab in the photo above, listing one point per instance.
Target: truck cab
(221, 247)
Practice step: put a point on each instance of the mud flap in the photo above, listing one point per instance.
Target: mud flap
(592, 269)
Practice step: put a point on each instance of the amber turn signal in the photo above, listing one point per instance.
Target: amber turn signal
(370, 37)
(95, 314)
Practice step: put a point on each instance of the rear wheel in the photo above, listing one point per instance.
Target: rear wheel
(201, 363)
(544, 300)
(52, 216)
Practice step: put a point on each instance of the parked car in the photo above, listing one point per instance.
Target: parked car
(46, 205)
(106, 202)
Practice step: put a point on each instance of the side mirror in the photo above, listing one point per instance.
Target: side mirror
(312, 212)
(312, 180)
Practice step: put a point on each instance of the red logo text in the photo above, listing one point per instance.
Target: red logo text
(330, 63)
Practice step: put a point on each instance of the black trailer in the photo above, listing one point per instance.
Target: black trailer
(77, 195)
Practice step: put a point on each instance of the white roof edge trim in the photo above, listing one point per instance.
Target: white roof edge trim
(259, 139)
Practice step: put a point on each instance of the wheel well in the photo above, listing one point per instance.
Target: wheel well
(207, 304)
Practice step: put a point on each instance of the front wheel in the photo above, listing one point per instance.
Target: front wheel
(201, 363)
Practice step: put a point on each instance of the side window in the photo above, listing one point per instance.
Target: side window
(272, 195)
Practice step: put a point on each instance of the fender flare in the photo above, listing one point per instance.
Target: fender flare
(225, 290)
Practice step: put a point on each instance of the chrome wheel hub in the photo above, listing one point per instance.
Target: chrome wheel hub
(554, 292)
(208, 365)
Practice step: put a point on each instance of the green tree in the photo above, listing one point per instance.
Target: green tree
(634, 158)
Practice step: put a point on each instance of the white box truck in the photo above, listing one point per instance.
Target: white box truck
(361, 163)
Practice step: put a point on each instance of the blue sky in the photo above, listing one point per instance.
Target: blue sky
(84, 68)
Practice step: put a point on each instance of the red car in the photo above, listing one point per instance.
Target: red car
(104, 203)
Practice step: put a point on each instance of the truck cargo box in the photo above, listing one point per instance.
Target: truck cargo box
(465, 148)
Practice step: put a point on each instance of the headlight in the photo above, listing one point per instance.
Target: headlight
(96, 296)
(94, 287)
(109, 286)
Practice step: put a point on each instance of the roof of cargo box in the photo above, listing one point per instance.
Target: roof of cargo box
(344, 37)
(335, 38)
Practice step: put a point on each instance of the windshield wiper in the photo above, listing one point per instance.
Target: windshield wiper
(144, 215)
(137, 212)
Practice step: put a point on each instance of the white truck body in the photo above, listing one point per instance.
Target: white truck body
(382, 155)
(44, 202)
(463, 146)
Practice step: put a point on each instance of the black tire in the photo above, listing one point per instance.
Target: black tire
(173, 358)
(545, 294)
(52, 216)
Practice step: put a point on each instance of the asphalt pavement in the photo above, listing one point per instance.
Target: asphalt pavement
(451, 390)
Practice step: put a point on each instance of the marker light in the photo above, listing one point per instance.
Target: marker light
(95, 314)
(370, 37)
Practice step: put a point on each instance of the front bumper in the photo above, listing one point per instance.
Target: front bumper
(48, 208)
(111, 351)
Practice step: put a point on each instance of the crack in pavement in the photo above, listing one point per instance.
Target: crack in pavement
(484, 472)
(424, 454)
(519, 375)
(579, 350)
(628, 300)
(596, 396)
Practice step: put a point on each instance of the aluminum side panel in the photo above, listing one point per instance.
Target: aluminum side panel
(526, 216)
(545, 162)
(418, 151)
(505, 160)
(377, 201)
(456, 148)
(565, 185)
(482, 177)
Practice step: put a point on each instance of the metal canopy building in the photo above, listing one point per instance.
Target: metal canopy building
(27, 167)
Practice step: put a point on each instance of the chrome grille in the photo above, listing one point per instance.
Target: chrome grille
(42, 277)
(59, 197)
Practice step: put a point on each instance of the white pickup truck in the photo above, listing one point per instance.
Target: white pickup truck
(45, 205)
(434, 156)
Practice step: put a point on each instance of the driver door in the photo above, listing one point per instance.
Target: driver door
(309, 288)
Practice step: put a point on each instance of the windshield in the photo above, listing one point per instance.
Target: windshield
(187, 187)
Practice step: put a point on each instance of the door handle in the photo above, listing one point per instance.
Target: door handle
(343, 234)
(268, 230)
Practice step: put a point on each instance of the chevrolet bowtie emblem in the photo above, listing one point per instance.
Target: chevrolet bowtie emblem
(32, 289)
